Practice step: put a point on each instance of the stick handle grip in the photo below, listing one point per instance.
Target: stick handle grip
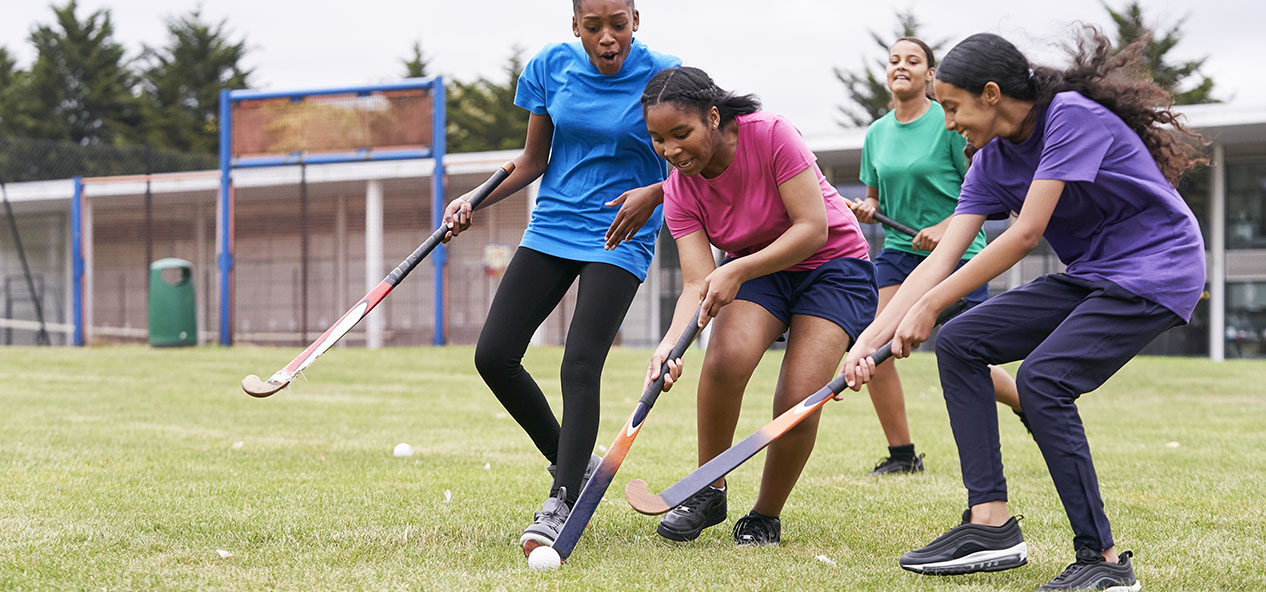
(486, 189)
(895, 225)
(882, 354)
(679, 349)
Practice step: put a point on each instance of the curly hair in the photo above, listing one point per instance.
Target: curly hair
(1109, 78)
(692, 88)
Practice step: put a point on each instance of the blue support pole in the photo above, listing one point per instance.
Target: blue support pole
(224, 258)
(77, 259)
(438, 203)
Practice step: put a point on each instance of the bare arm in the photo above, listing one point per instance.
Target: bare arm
(909, 317)
(695, 254)
(529, 165)
(802, 196)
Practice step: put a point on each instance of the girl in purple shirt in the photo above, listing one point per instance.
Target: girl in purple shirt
(1087, 158)
(796, 261)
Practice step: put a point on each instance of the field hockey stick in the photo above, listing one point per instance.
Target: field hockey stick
(893, 224)
(889, 222)
(601, 478)
(256, 387)
(639, 495)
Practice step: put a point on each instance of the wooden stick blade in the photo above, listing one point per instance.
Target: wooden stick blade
(259, 388)
(640, 498)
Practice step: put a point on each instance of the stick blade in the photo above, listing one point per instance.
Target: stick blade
(640, 498)
(259, 388)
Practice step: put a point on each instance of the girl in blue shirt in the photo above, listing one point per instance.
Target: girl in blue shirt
(588, 144)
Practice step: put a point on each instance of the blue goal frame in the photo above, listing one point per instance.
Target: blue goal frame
(225, 242)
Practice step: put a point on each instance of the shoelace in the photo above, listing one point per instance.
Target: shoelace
(692, 503)
(556, 513)
(1085, 560)
(761, 524)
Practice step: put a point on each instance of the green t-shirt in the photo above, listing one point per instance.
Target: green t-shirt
(918, 168)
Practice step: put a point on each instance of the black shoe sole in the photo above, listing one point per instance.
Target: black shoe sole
(673, 535)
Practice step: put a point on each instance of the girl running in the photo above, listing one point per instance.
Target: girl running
(1088, 157)
(796, 261)
(913, 168)
(587, 137)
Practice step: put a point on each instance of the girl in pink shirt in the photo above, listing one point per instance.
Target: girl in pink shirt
(796, 262)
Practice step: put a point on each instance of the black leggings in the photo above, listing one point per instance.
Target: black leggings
(533, 285)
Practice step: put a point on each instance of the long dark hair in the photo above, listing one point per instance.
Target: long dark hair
(1108, 78)
(692, 88)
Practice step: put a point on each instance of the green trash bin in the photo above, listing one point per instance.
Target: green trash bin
(172, 315)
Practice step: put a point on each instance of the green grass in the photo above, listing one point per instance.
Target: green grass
(128, 468)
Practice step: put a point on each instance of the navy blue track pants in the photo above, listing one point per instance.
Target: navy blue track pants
(1073, 334)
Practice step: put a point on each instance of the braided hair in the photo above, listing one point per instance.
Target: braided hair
(692, 89)
(1108, 78)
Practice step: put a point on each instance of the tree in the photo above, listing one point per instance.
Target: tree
(1131, 26)
(181, 83)
(867, 90)
(418, 65)
(482, 114)
(9, 82)
(79, 87)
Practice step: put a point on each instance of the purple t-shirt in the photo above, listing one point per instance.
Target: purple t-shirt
(1118, 219)
(742, 211)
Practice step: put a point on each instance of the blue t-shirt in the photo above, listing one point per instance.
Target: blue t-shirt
(600, 149)
(1118, 218)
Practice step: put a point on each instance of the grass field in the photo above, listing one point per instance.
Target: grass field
(131, 469)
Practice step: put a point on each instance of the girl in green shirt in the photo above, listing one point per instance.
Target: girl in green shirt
(913, 169)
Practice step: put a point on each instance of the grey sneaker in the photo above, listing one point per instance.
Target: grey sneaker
(1092, 572)
(548, 521)
(594, 461)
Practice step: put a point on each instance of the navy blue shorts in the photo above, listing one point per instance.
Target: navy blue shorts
(893, 267)
(841, 291)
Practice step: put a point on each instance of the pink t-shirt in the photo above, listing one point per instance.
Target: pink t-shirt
(741, 210)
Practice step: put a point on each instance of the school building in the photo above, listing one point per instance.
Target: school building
(311, 240)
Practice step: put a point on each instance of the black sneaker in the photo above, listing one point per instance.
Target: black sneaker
(547, 522)
(698, 512)
(969, 548)
(1093, 572)
(757, 530)
(594, 461)
(889, 465)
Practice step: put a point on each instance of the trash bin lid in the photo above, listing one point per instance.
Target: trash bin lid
(170, 263)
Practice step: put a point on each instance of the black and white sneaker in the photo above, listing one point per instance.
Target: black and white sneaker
(594, 461)
(890, 465)
(757, 530)
(547, 522)
(969, 548)
(1093, 572)
(699, 511)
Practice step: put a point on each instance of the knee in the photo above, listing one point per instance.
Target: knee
(1039, 388)
(950, 341)
(492, 360)
(582, 367)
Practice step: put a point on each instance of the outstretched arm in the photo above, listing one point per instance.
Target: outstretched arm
(909, 317)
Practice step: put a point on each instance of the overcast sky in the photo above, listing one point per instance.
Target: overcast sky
(783, 50)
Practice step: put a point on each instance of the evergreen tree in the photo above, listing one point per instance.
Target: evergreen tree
(182, 80)
(9, 82)
(418, 65)
(79, 88)
(482, 115)
(1131, 26)
(868, 90)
